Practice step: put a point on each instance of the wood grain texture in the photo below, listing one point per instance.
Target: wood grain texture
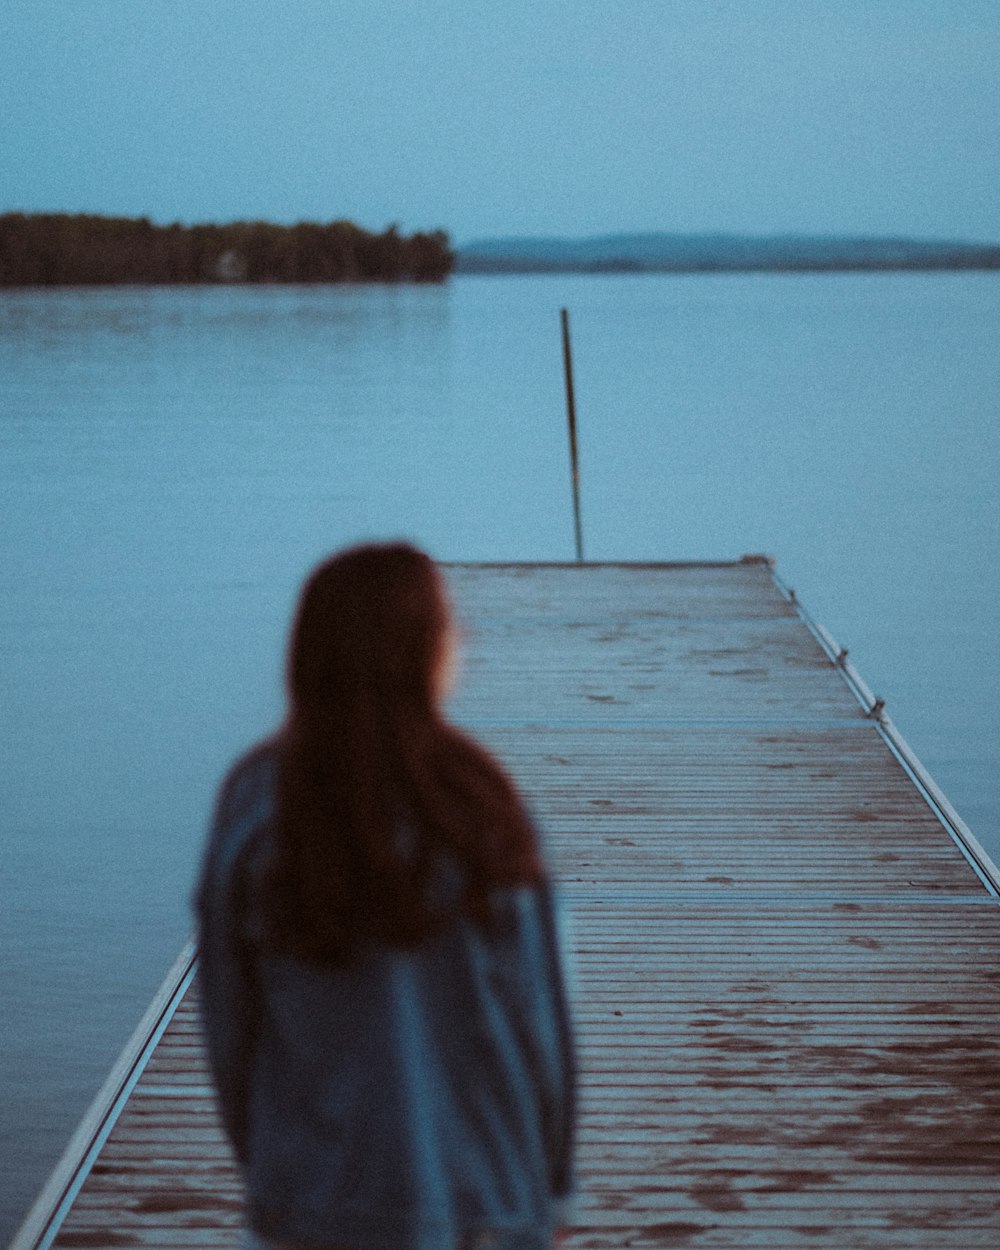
(786, 976)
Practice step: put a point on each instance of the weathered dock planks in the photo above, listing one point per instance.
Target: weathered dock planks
(785, 947)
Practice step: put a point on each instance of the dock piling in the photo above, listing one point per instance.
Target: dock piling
(571, 417)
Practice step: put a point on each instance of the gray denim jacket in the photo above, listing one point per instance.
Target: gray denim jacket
(407, 1100)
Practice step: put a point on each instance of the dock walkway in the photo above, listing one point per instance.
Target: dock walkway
(785, 946)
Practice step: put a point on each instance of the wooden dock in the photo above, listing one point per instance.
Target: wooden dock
(785, 944)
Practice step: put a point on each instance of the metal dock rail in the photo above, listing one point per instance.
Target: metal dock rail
(785, 946)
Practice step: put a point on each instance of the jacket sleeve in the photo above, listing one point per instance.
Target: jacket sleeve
(561, 1127)
(227, 986)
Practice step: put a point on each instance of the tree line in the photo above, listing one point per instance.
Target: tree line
(62, 249)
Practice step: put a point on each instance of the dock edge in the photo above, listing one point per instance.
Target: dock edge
(975, 853)
(42, 1223)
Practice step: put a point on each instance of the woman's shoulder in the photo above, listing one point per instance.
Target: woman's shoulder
(244, 808)
(248, 785)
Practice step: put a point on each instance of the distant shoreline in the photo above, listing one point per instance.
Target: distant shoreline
(62, 249)
(718, 253)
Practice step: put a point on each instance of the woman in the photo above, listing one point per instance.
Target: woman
(382, 999)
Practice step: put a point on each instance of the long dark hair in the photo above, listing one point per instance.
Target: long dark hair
(375, 790)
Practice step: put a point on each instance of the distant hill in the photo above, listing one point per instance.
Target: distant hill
(698, 253)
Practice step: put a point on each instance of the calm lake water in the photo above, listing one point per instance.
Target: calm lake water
(173, 461)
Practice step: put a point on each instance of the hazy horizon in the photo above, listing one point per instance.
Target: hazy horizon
(598, 237)
(605, 235)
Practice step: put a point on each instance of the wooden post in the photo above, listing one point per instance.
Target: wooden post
(571, 415)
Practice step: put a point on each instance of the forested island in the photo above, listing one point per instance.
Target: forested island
(708, 253)
(63, 249)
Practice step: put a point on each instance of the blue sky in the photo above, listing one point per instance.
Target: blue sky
(528, 117)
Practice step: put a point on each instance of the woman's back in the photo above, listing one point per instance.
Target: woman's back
(403, 1098)
(411, 1094)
